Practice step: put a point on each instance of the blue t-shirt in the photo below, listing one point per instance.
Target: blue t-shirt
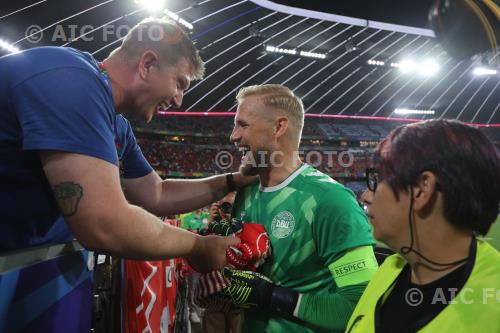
(53, 98)
(133, 164)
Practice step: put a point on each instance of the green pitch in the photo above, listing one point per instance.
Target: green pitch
(494, 235)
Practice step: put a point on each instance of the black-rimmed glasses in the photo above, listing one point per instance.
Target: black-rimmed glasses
(372, 179)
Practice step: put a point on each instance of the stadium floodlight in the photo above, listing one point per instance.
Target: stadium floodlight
(410, 111)
(273, 49)
(186, 24)
(428, 68)
(376, 62)
(312, 55)
(178, 19)
(425, 68)
(8, 47)
(484, 71)
(152, 5)
(172, 15)
(407, 66)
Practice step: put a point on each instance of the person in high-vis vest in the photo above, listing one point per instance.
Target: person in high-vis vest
(434, 187)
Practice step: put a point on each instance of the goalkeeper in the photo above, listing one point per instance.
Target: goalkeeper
(322, 247)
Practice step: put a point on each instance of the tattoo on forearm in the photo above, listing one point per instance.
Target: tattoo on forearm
(68, 195)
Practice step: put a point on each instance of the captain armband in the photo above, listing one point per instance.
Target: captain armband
(354, 267)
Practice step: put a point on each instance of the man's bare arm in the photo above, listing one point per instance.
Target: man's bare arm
(174, 196)
(88, 192)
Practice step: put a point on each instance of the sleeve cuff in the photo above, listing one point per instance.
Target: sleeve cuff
(296, 310)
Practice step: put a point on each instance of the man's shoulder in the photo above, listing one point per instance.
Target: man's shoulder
(326, 191)
(42, 60)
(60, 56)
(308, 180)
(123, 126)
(317, 181)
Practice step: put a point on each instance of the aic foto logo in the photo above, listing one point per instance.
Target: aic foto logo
(282, 225)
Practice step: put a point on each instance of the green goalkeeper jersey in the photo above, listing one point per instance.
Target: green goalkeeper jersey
(191, 221)
(311, 220)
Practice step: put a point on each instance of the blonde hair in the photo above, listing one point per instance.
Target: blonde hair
(165, 37)
(277, 96)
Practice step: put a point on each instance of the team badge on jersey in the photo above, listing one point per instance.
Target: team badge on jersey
(283, 225)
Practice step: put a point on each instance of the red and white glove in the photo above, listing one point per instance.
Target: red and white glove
(253, 249)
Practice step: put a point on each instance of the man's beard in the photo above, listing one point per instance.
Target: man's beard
(257, 162)
(249, 170)
(141, 117)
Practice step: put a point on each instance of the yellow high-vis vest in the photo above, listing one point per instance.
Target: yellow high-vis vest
(475, 308)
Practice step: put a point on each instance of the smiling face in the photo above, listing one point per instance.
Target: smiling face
(252, 134)
(161, 87)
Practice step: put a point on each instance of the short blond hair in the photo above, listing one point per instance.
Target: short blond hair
(279, 97)
(165, 37)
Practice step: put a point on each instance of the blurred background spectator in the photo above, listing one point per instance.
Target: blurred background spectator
(188, 146)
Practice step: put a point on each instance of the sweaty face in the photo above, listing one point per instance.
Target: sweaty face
(252, 135)
(165, 86)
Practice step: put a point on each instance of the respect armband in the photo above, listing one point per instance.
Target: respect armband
(354, 267)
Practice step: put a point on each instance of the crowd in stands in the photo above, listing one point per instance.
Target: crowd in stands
(320, 128)
(187, 145)
(188, 158)
(169, 157)
(209, 126)
(222, 126)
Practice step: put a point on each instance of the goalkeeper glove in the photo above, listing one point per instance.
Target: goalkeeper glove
(249, 289)
(224, 227)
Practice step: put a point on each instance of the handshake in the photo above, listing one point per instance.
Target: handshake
(254, 247)
(240, 285)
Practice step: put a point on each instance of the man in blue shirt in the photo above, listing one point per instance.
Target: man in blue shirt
(60, 145)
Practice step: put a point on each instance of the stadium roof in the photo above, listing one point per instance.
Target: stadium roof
(233, 36)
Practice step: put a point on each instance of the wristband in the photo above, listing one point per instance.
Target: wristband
(284, 300)
(231, 184)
